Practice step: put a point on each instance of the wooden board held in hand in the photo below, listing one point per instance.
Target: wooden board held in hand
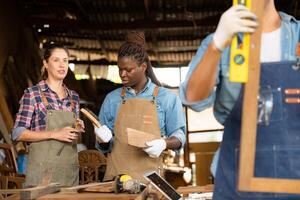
(139, 138)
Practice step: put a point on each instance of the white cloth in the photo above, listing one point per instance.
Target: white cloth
(271, 46)
(104, 133)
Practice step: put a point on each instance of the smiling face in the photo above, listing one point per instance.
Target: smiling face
(57, 64)
(131, 73)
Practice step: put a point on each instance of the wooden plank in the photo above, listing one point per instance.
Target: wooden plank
(33, 193)
(195, 189)
(89, 196)
(105, 187)
(247, 181)
(81, 196)
(76, 188)
(139, 138)
(249, 115)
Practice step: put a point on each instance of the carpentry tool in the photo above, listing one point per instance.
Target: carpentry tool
(121, 183)
(91, 116)
(239, 52)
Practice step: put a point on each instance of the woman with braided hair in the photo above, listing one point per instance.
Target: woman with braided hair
(140, 104)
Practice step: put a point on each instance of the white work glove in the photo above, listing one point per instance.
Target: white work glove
(155, 147)
(237, 19)
(103, 133)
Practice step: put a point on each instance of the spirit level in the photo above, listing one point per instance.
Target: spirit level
(239, 53)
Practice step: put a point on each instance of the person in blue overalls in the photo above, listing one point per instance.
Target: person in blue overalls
(278, 136)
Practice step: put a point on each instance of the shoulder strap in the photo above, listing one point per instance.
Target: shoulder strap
(44, 99)
(123, 93)
(155, 93)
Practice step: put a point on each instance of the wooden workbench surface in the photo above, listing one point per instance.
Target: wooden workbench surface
(81, 196)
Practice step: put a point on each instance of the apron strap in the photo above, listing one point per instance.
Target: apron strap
(72, 102)
(47, 105)
(44, 99)
(154, 95)
(123, 94)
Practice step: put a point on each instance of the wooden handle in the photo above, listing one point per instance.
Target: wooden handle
(91, 116)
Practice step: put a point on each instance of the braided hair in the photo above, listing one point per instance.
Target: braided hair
(134, 47)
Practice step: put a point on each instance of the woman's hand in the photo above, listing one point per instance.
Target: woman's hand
(66, 134)
(79, 125)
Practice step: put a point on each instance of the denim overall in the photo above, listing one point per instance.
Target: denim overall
(278, 138)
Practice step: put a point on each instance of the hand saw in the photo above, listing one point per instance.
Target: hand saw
(239, 53)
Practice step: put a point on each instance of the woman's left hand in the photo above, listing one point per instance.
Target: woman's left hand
(79, 125)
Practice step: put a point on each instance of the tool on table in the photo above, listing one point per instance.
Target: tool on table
(121, 183)
(124, 183)
(162, 185)
(239, 53)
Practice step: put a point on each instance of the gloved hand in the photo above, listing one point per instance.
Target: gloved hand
(236, 19)
(155, 147)
(103, 133)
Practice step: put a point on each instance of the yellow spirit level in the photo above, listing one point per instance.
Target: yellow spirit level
(239, 53)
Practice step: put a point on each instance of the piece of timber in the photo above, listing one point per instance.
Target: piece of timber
(249, 114)
(82, 196)
(79, 187)
(195, 189)
(33, 193)
(105, 187)
(139, 138)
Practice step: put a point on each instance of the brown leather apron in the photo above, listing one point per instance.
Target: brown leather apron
(58, 160)
(140, 114)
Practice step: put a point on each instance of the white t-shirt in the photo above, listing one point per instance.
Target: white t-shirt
(270, 46)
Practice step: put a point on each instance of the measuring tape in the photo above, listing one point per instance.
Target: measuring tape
(239, 53)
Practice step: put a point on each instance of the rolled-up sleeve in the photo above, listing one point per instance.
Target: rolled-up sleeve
(24, 115)
(199, 105)
(180, 135)
(106, 118)
(175, 120)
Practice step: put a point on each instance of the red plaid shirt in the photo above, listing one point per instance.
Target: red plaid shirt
(32, 111)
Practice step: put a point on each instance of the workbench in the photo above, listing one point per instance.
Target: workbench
(81, 196)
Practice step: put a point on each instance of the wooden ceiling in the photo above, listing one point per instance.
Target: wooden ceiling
(93, 30)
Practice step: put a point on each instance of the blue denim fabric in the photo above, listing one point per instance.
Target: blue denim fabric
(169, 109)
(226, 93)
(278, 144)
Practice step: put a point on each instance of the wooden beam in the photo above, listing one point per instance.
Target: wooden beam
(39, 22)
(5, 113)
(249, 114)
